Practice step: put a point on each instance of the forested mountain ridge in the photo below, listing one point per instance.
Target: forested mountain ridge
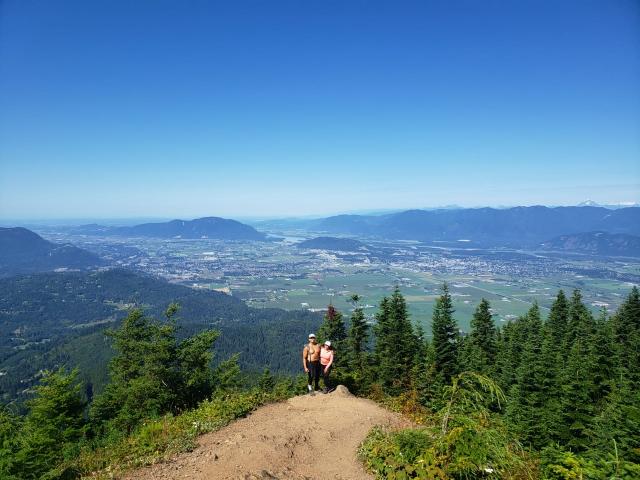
(596, 243)
(518, 226)
(206, 227)
(23, 251)
(53, 319)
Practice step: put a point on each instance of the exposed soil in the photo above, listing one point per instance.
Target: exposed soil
(306, 437)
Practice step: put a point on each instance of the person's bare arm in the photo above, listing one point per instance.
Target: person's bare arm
(328, 365)
(305, 354)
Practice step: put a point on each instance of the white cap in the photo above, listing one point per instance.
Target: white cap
(312, 335)
(327, 343)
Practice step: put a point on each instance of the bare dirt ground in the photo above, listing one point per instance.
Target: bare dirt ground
(306, 437)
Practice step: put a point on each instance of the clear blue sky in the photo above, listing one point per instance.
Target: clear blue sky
(187, 108)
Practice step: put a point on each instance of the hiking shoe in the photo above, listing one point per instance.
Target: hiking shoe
(310, 388)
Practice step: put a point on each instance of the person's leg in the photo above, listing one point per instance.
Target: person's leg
(316, 372)
(326, 379)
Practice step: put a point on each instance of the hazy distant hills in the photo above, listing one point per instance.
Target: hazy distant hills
(615, 206)
(23, 251)
(332, 243)
(207, 227)
(487, 226)
(596, 243)
(53, 319)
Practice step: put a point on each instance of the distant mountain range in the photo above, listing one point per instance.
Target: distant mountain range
(518, 226)
(612, 206)
(596, 243)
(207, 227)
(332, 243)
(23, 251)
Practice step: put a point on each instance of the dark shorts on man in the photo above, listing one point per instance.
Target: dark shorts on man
(314, 373)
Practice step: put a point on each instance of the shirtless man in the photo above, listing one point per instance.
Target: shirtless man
(311, 362)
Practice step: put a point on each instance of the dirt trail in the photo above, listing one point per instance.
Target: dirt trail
(306, 437)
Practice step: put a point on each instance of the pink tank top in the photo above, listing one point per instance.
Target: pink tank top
(326, 357)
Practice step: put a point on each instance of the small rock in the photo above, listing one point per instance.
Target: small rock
(342, 391)
(268, 475)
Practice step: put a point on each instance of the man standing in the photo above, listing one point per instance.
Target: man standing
(311, 362)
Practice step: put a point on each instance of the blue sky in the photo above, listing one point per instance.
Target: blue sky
(268, 108)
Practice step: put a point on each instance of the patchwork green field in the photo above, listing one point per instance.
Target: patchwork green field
(280, 274)
(509, 297)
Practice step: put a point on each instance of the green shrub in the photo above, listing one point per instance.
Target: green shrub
(559, 464)
(461, 441)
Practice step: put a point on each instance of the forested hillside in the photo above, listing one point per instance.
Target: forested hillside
(549, 398)
(23, 251)
(517, 226)
(544, 398)
(596, 243)
(54, 319)
(207, 227)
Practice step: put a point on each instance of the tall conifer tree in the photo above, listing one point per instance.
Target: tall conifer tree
(52, 426)
(480, 345)
(526, 401)
(396, 344)
(445, 337)
(357, 338)
(405, 339)
(334, 330)
(559, 317)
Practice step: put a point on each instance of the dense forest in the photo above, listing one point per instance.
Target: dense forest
(49, 320)
(554, 397)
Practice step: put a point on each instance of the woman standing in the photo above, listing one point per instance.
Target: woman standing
(326, 360)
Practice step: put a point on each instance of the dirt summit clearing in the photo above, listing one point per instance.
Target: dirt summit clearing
(306, 437)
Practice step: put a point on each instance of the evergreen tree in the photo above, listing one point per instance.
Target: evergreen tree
(551, 361)
(152, 373)
(384, 346)
(357, 340)
(396, 344)
(425, 372)
(578, 392)
(559, 318)
(196, 378)
(581, 323)
(526, 400)
(334, 330)
(406, 341)
(267, 381)
(626, 333)
(505, 374)
(603, 353)
(9, 431)
(445, 337)
(142, 378)
(52, 427)
(228, 376)
(480, 346)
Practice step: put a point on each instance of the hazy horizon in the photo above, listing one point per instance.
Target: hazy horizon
(136, 219)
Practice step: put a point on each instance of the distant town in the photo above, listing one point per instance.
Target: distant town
(278, 273)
